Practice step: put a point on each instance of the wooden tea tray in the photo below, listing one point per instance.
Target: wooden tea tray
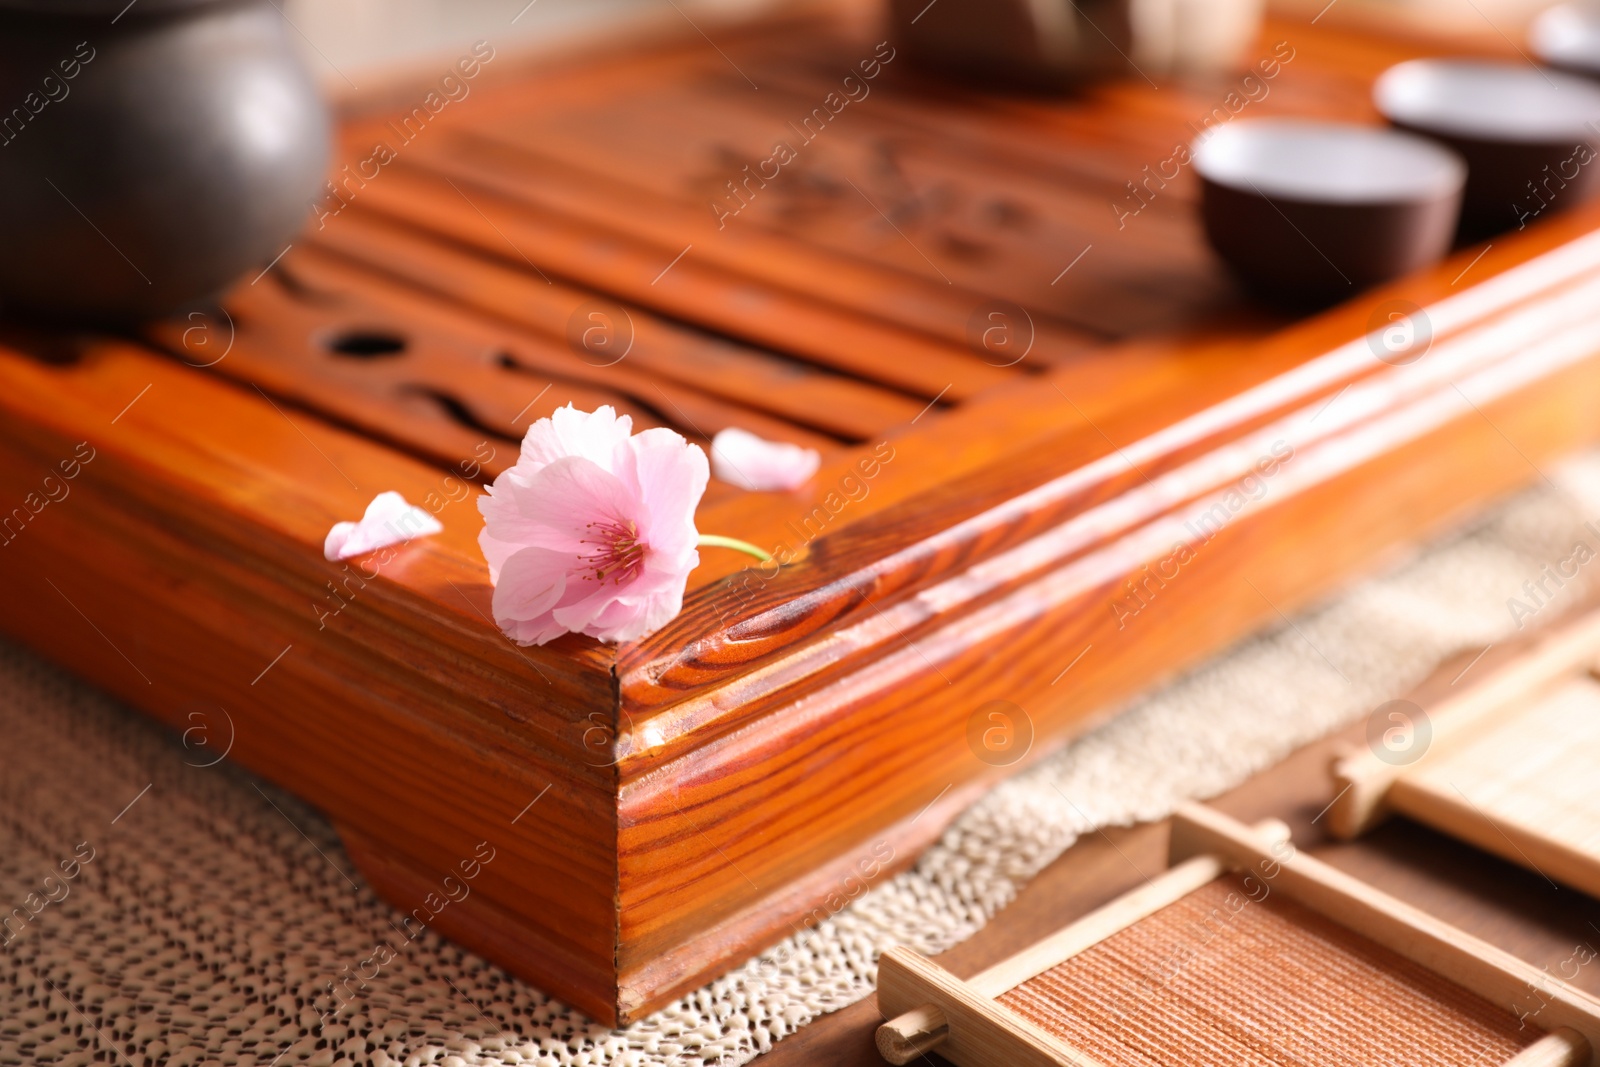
(971, 547)
(1017, 1011)
(1510, 764)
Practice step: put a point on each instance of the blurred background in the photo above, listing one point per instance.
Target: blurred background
(358, 39)
(367, 37)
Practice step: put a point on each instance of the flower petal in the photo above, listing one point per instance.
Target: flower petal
(565, 500)
(625, 614)
(389, 520)
(633, 618)
(669, 476)
(531, 583)
(741, 458)
(553, 509)
(498, 539)
(594, 435)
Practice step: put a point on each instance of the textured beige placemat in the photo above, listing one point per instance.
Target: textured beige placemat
(208, 913)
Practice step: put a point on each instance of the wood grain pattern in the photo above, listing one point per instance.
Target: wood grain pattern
(374, 706)
(849, 408)
(977, 529)
(616, 263)
(847, 745)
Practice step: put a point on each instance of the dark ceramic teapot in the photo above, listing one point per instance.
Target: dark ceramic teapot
(150, 152)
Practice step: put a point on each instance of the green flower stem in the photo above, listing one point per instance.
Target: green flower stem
(718, 541)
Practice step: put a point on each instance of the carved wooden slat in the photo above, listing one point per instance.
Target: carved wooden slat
(806, 395)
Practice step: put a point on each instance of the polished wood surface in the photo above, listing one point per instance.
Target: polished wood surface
(983, 526)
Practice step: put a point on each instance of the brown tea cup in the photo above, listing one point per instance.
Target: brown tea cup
(1311, 212)
(1567, 36)
(1529, 135)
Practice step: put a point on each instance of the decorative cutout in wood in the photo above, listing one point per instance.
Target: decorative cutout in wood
(1510, 764)
(1244, 951)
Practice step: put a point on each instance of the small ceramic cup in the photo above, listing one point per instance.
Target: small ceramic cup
(1312, 212)
(1568, 36)
(1530, 136)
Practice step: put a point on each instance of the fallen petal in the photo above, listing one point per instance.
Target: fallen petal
(740, 458)
(389, 520)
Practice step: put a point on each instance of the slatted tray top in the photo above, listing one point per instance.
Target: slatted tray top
(1249, 953)
(1063, 458)
(603, 234)
(565, 237)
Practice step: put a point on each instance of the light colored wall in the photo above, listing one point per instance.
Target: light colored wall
(347, 40)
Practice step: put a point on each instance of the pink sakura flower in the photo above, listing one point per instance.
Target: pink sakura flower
(741, 458)
(592, 531)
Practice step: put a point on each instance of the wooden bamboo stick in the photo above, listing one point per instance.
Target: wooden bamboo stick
(984, 1033)
(1561, 1047)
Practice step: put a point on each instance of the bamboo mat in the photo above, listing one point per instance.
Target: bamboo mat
(1219, 979)
(1538, 772)
(213, 911)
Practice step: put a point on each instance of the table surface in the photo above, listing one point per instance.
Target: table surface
(1512, 908)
